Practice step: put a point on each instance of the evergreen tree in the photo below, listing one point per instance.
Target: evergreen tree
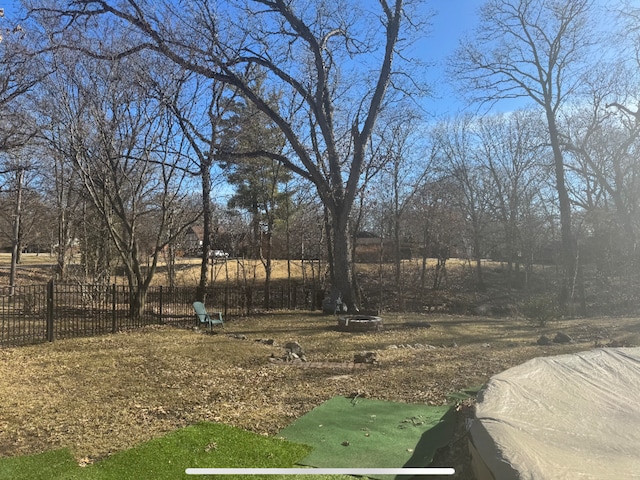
(259, 180)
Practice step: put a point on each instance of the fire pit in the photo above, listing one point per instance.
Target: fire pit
(360, 323)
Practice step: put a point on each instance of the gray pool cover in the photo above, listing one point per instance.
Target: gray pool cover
(565, 417)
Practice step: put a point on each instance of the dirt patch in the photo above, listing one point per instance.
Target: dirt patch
(325, 365)
(104, 394)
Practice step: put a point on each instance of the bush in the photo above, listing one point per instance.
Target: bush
(540, 309)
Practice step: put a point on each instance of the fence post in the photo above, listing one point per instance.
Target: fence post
(50, 312)
(293, 302)
(114, 323)
(160, 321)
(226, 300)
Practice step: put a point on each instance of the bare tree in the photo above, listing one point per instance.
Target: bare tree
(509, 149)
(457, 158)
(20, 71)
(403, 174)
(602, 137)
(121, 143)
(439, 225)
(534, 49)
(201, 107)
(333, 69)
(56, 104)
(11, 208)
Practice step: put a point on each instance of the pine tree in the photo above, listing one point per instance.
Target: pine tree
(258, 180)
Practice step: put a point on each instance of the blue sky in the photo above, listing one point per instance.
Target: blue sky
(9, 7)
(451, 20)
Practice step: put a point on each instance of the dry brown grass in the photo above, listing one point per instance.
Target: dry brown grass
(40, 267)
(29, 259)
(103, 394)
(236, 270)
(240, 270)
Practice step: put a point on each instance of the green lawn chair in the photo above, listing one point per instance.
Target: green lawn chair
(204, 317)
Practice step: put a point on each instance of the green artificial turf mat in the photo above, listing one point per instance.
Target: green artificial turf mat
(204, 445)
(44, 466)
(366, 433)
(465, 394)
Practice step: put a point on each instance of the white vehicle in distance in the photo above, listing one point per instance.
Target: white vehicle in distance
(219, 254)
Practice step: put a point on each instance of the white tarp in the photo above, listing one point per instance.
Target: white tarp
(564, 417)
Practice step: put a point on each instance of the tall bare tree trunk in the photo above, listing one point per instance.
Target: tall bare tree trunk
(15, 240)
(572, 274)
(342, 263)
(205, 178)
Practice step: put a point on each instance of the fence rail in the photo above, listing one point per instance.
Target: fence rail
(39, 313)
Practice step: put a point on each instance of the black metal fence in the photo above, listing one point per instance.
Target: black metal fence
(40, 313)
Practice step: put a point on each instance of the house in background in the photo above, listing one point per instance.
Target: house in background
(370, 248)
(193, 241)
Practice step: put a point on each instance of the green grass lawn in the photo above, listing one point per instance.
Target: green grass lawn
(56, 464)
(205, 445)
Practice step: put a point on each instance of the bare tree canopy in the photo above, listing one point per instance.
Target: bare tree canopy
(19, 72)
(332, 62)
(534, 49)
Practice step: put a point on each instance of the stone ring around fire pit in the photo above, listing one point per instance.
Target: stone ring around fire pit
(359, 323)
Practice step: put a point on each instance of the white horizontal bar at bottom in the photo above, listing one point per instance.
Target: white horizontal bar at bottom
(320, 471)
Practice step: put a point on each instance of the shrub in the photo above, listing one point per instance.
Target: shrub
(540, 309)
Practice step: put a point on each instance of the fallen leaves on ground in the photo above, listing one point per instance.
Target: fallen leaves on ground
(103, 394)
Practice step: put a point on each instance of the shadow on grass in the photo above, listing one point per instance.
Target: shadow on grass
(437, 437)
(430, 441)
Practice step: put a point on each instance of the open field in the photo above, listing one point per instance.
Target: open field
(104, 394)
(29, 259)
(41, 267)
(230, 270)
